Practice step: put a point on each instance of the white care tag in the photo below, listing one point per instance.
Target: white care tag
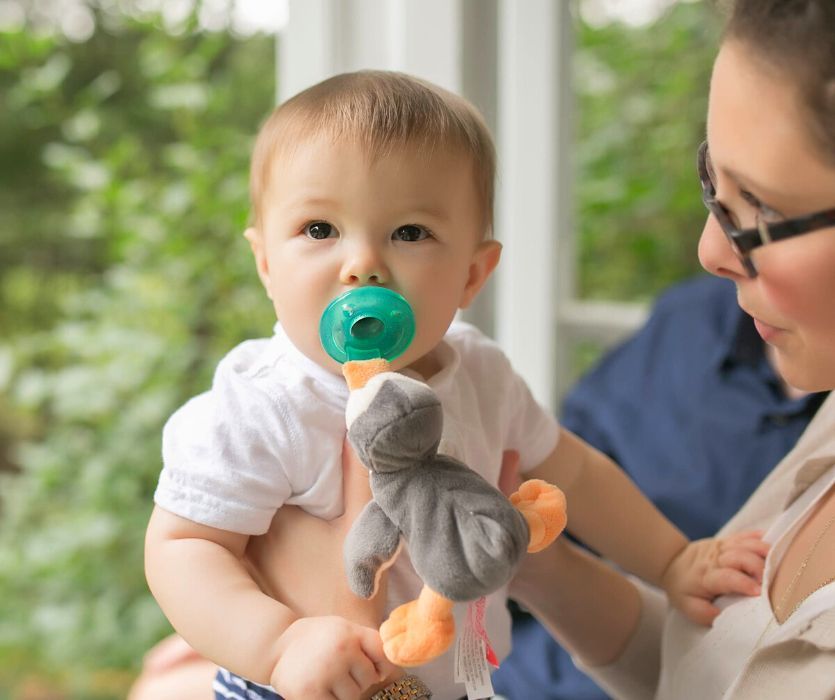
(471, 667)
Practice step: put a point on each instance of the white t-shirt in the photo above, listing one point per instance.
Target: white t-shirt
(271, 428)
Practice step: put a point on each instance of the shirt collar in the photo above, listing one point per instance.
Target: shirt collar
(449, 360)
(333, 382)
(818, 449)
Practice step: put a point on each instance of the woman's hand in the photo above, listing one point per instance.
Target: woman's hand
(172, 669)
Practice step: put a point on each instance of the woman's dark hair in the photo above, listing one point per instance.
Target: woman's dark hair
(796, 36)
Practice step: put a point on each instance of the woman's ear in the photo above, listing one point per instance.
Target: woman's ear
(256, 243)
(485, 259)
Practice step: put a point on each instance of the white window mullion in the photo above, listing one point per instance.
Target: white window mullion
(325, 37)
(532, 206)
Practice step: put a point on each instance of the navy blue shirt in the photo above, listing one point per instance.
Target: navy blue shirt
(692, 410)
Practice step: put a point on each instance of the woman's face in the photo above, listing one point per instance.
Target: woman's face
(764, 159)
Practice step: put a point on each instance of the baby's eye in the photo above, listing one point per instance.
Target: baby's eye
(410, 233)
(319, 230)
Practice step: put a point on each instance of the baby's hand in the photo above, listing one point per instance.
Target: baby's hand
(706, 569)
(322, 658)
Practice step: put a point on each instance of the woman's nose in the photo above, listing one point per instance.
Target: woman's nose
(364, 265)
(716, 254)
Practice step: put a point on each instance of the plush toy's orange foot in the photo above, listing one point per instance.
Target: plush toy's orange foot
(543, 506)
(419, 631)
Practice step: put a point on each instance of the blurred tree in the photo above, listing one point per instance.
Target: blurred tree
(123, 279)
(641, 104)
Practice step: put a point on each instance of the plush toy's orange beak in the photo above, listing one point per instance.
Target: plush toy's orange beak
(358, 372)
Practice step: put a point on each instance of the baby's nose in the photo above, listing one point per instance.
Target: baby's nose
(364, 265)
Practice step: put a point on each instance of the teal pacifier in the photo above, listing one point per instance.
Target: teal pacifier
(367, 323)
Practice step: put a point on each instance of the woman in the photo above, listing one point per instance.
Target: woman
(768, 180)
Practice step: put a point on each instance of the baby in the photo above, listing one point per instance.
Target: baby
(369, 178)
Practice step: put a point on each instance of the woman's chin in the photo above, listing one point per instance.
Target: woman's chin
(804, 375)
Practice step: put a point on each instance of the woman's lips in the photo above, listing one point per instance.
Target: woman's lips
(767, 332)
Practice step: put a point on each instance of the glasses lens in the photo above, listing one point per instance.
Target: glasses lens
(718, 211)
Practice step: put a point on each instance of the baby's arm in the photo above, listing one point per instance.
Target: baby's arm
(610, 514)
(196, 574)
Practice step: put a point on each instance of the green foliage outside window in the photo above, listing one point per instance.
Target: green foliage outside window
(124, 278)
(641, 103)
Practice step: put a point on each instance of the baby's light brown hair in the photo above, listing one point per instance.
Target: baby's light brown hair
(381, 111)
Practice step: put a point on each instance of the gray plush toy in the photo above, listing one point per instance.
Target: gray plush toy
(465, 538)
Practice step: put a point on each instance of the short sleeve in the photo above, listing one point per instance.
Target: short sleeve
(225, 454)
(532, 430)
(527, 426)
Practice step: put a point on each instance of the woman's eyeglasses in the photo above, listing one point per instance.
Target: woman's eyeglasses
(744, 240)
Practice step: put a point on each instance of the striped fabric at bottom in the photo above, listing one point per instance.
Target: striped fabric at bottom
(228, 686)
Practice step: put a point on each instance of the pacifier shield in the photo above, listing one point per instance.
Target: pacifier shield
(367, 323)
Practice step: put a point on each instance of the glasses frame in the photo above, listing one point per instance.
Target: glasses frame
(744, 240)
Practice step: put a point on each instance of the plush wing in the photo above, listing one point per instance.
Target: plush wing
(371, 544)
(465, 538)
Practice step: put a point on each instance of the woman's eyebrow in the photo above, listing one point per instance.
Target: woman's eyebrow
(747, 183)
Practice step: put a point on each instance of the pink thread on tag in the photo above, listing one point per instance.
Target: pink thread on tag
(475, 619)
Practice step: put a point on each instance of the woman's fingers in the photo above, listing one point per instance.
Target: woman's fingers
(699, 610)
(170, 652)
(509, 479)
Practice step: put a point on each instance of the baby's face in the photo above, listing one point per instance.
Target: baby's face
(333, 220)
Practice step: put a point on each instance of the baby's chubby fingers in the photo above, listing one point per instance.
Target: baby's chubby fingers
(722, 581)
(699, 610)
(329, 657)
(745, 552)
(383, 669)
(750, 540)
(749, 563)
(708, 568)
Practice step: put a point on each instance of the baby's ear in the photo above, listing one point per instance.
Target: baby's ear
(484, 261)
(256, 242)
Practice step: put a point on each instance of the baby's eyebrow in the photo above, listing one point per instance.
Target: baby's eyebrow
(432, 213)
(312, 201)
